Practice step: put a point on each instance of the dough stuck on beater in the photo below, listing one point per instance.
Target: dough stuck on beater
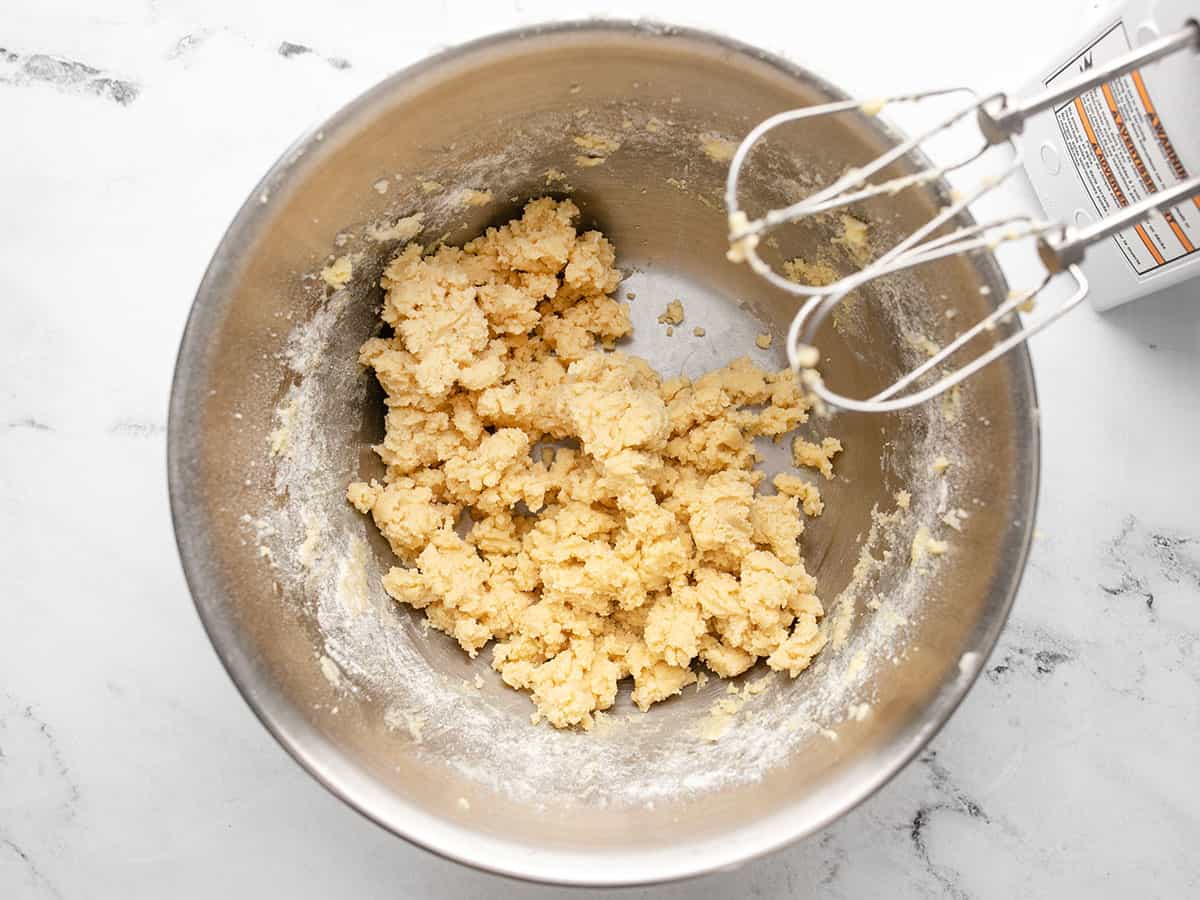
(616, 529)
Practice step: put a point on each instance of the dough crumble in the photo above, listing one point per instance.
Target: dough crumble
(673, 314)
(560, 500)
(817, 456)
(339, 272)
(717, 148)
(475, 197)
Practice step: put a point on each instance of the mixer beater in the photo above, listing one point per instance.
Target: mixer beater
(998, 120)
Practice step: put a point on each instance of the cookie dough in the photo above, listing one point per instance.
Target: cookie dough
(592, 521)
(816, 456)
(673, 314)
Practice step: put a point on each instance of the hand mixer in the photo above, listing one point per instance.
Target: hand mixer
(1117, 125)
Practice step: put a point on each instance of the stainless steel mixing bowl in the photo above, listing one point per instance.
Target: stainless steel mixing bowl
(271, 417)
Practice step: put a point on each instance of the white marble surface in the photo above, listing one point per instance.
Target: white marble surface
(130, 768)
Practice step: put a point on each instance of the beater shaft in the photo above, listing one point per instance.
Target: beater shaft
(1011, 114)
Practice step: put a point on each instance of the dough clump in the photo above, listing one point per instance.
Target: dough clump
(564, 502)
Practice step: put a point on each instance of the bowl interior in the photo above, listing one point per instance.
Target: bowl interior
(272, 417)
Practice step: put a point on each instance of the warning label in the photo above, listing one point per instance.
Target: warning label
(1123, 153)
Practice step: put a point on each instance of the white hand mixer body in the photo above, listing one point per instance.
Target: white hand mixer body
(1110, 140)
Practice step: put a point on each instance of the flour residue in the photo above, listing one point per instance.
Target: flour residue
(404, 228)
(285, 417)
(353, 591)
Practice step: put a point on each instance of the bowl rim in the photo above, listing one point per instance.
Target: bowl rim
(323, 760)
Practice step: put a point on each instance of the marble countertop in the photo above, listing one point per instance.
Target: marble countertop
(129, 766)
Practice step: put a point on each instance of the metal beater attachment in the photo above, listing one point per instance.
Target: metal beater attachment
(998, 119)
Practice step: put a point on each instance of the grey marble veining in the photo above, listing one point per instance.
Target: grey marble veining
(130, 768)
(19, 69)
